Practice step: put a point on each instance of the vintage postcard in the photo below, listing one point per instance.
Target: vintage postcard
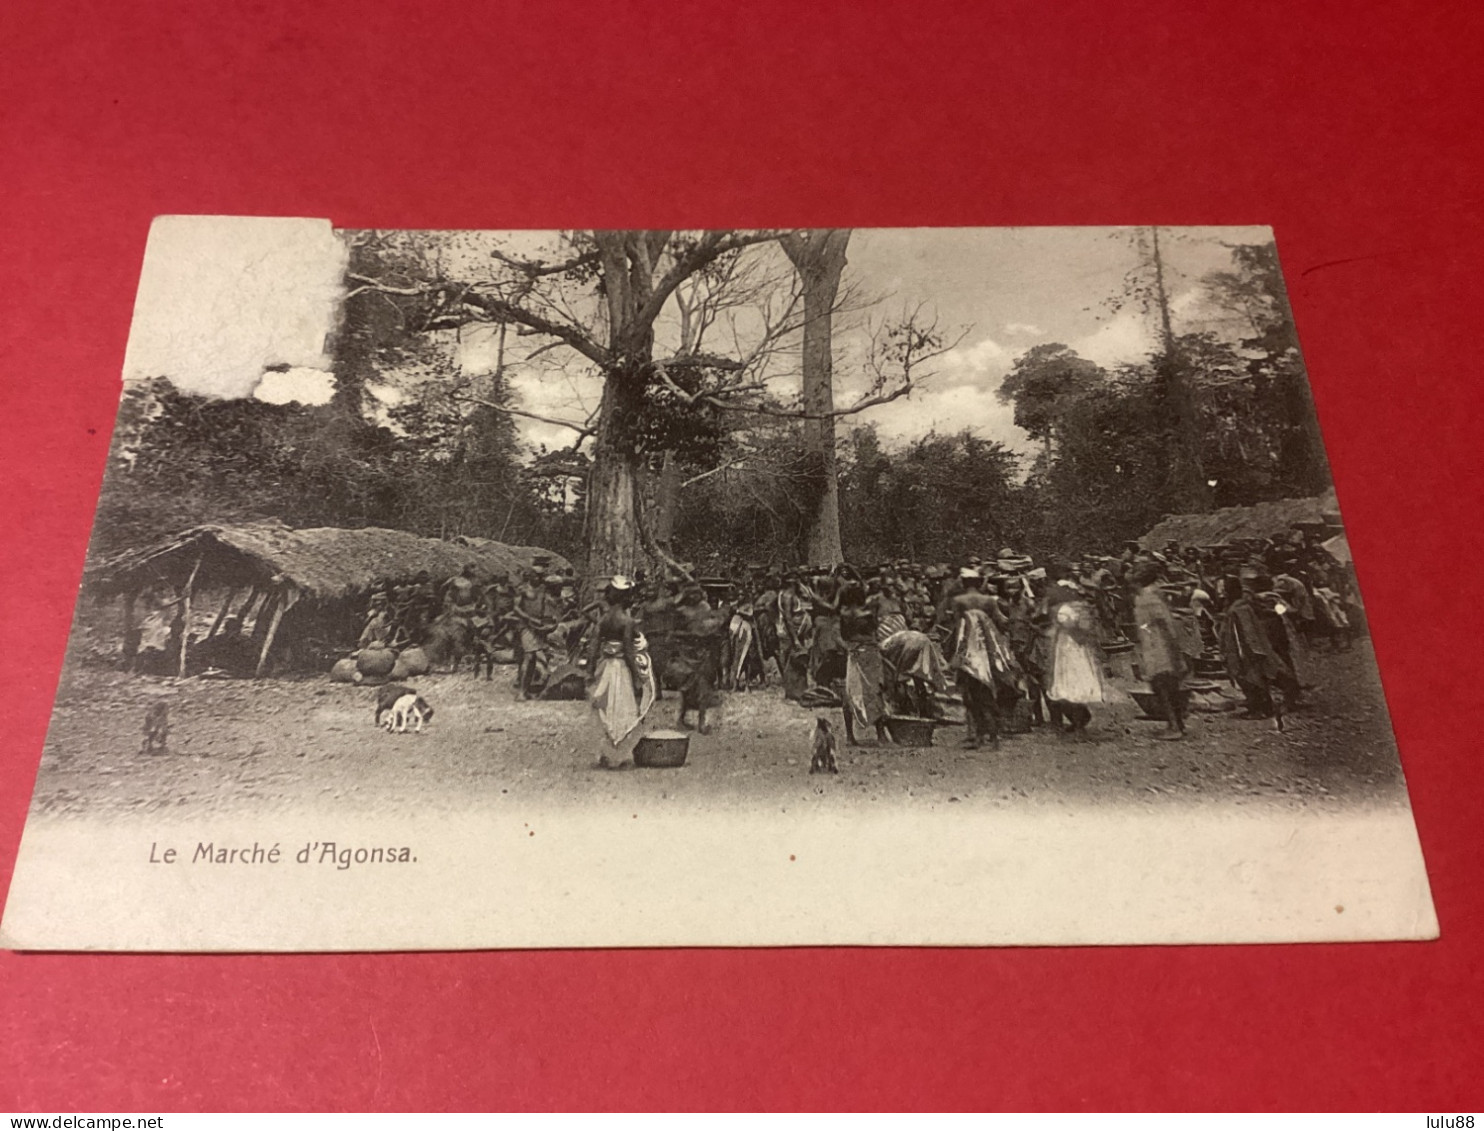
(715, 588)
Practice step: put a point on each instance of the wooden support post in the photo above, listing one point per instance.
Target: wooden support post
(185, 615)
(264, 626)
(222, 615)
(242, 609)
(281, 604)
(259, 602)
(131, 643)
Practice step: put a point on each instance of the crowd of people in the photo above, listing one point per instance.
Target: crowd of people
(1009, 644)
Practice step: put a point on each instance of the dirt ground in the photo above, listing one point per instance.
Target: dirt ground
(261, 746)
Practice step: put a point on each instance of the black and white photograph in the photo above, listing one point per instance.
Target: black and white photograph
(584, 588)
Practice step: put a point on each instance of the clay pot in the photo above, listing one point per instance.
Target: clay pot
(416, 662)
(376, 663)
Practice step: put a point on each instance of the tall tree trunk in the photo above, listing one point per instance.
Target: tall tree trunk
(1188, 490)
(666, 500)
(819, 257)
(614, 507)
(1301, 458)
(1300, 449)
(1302, 463)
(613, 543)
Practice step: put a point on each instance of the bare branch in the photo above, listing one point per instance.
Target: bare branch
(647, 539)
(583, 430)
(539, 350)
(767, 506)
(688, 398)
(714, 471)
(385, 288)
(739, 462)
(711, 246)
(800, 414)
(907, 346)
(533, 270)
(498, 308)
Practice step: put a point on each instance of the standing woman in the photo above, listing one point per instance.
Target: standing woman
(891, 613)
(766, 621)
(984, 667)
(1161, 659)
(795, 636)
(695, 661)
(862, 703)
(827, 655)
(621, 686)
(1076, 660)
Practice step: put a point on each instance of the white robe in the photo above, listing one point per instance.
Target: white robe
(1076, 667)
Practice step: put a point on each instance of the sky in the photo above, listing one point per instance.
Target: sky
(1013, 288)
(236, 307)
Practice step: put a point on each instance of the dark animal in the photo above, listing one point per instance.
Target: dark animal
(156, 728)
(483, 637)
(826, 746)
(448, 640)
(388, 697)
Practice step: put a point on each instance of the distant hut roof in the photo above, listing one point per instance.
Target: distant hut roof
(1338, 548)
(323, 563)
(1237, 524)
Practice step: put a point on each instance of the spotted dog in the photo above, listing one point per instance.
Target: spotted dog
(399, 707)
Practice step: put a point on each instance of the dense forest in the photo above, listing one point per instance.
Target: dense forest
(724, 467)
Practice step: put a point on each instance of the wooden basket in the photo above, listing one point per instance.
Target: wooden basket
(910, 731)
(662, 749)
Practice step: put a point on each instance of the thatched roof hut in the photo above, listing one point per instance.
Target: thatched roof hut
(323, 562)
(1242, 524)
(319, 566)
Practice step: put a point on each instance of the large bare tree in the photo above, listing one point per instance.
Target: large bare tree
(604, 297)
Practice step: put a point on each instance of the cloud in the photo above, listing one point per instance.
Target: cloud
(1024, 330)
(569, 395)
(300, 385)
(982, 356)
(1130, 335)
(1126, 336)
(978, 366)
(478, 350)
(946, 410)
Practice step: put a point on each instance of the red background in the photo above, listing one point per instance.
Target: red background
(1352, 128)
